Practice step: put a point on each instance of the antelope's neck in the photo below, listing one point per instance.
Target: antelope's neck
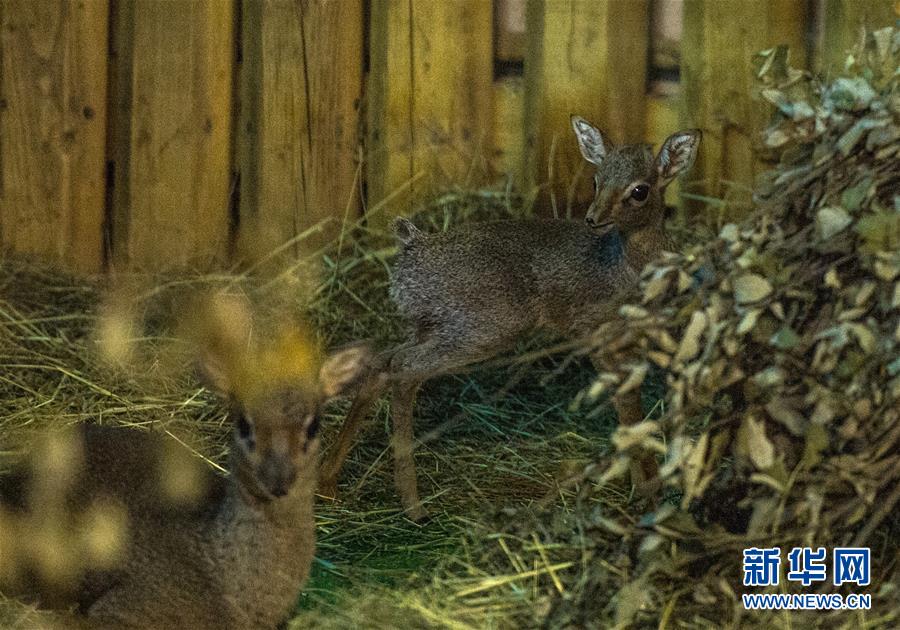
(263, 553)
(645, 245)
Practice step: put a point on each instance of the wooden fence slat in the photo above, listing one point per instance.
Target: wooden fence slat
(719, 41)
(841, 20)
(789, 24)
(585, 57)
(389, 97)
(663, 118)
(508, 145)
(53, 129)
(509, 16)
(429, 97)
(301, 87)
(453, 88)
(171, 208)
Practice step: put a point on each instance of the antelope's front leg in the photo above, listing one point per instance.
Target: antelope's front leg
(368, 393)
(644, 469)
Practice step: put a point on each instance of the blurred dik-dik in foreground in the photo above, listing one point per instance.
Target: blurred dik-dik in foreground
(237, 555)
(470, 293)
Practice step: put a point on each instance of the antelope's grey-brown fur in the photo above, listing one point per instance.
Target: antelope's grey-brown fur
(470, 293)
(236, 560)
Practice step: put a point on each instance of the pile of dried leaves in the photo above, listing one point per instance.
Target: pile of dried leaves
(781, 345)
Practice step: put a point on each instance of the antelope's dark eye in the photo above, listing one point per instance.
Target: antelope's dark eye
(640, 192)
(313, 428)
(243, 427)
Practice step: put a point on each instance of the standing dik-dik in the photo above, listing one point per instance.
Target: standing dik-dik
(239, 559)
(469, 293)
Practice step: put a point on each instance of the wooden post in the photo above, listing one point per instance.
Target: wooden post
(429, 97)
(301, 86)
(841, 21)
(53, 129)
(585, 57)
(171, 206)
(789, 23)
(719, 41)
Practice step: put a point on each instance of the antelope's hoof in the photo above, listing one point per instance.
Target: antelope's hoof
(417, 514)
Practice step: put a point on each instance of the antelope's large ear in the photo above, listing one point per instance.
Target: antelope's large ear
(342, 368)
(214, 373)
(677, 155)
(590, 140)
(221, 330)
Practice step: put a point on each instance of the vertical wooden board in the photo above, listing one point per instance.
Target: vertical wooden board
(175, 212)
(52, 129)
(301, 87)
(719, 42)
(663, 119)
(841, 21)
(430, 98)
(333, 38)
(585, 57)
(509, 25)
(118, 129)
(789, 21)
(509, 96)
(389, 98)
(452, 91)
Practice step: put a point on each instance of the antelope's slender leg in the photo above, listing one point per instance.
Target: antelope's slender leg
(411, 366)
(402, 404)
(644, 468)
(368, 393)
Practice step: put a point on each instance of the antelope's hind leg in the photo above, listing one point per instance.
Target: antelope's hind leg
(368, 393)
(410, 367)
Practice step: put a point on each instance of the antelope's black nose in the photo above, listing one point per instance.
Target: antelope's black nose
(590, 221)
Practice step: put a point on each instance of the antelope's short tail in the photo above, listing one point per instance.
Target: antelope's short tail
(405, 231)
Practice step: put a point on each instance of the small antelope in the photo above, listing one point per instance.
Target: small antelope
(470, 293)
(239, 559)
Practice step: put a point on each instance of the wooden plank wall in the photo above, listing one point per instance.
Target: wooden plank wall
(841, 20)
(174, 179)
(53, 129)
(430, 99)
(298, 137)
(717, 82)
(144, 134)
